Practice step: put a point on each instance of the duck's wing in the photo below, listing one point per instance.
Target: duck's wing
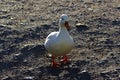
(51, 38)
(52, 35)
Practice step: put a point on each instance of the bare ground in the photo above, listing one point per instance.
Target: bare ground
(24, 25)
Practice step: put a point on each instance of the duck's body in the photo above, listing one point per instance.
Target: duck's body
(60, 43)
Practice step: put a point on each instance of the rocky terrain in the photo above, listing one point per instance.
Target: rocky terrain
(24, 25)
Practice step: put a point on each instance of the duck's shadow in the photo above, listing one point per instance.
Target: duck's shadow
(59, 72)
(66, 72)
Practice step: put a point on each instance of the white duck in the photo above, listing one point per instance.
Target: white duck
(60, 43)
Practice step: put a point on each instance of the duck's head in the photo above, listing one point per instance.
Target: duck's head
(64, 21)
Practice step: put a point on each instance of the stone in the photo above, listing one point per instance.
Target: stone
(85, 75)
(28, 78)
(7, 78)
(81, 27)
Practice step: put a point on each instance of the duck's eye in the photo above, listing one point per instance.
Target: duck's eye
(62, 19)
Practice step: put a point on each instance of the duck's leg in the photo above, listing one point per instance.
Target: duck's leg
(54, 64)
(65, 60)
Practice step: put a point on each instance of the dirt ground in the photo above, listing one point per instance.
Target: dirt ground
(24, 25)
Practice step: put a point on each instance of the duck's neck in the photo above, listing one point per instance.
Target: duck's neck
(63, 30)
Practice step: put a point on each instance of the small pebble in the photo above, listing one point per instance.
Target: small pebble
(81, 27)
(90, 9)
(105, 74)
(103, 62)
(28, 78)
(118, 69)
(85, 75)
(7, 78)
(78, 24)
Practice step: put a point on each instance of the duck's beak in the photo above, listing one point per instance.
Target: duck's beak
(67, 26)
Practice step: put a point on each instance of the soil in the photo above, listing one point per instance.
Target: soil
(24, 25)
